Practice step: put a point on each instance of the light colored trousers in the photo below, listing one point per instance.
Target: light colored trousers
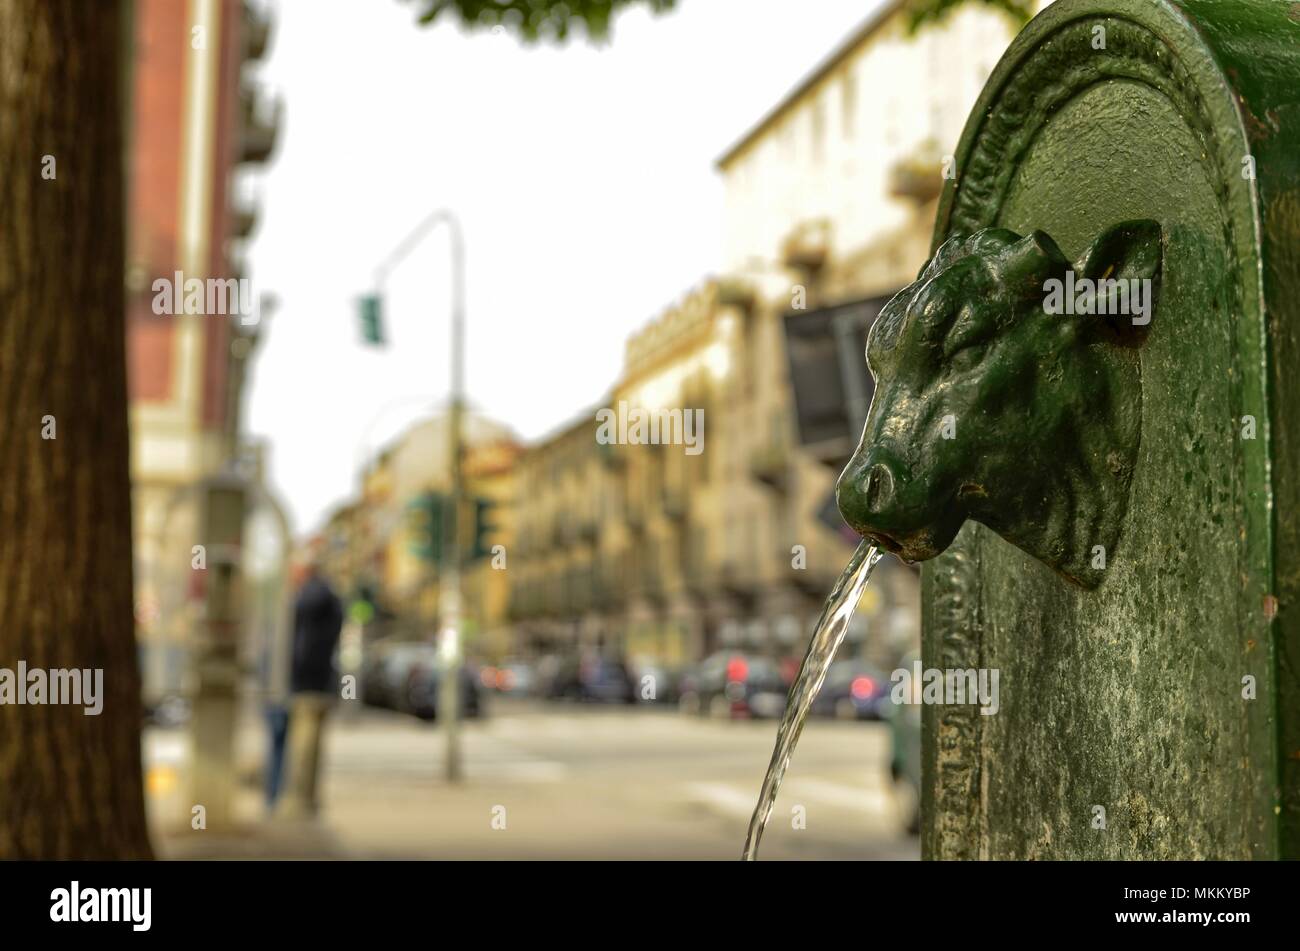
(307, 712)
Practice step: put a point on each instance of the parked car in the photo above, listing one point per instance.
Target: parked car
(386, 673)
(591, 678)
(735, 684)
(853, 690)
(513, 679)
(423, 685)
(653, 682)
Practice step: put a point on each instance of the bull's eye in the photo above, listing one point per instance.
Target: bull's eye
(965, 359)
(969, 329)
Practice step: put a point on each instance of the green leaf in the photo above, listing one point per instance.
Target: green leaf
(533, 20)
(923, 13)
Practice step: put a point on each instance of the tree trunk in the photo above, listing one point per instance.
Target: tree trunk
(70, 784)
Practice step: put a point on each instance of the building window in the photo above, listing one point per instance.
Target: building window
(818, 129)
(848, 103)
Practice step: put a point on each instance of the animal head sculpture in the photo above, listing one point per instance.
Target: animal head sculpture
(1008, 390)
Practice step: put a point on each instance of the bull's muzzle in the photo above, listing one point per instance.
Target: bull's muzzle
(879, 498)
(867, 493)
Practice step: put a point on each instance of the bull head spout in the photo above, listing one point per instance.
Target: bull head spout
(1008, 390)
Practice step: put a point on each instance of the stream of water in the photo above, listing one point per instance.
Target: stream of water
(826, 639)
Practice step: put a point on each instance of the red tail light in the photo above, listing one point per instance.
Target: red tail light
(737, 669)
(863, 687)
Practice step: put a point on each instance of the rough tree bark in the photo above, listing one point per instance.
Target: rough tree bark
(70, 784)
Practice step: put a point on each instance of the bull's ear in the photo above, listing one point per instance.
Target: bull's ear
(1130, 250)
(1127, 253)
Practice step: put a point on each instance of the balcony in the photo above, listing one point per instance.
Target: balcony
(580, 593)
(806, 579)
(609, 591)
(919, 176)
(770, 465)
(257, 31)
(737, 292)
(243, 219)
(807, 248)
(695, 575)
(692, 549)
(650, 585)
(738, 581)
(260, 128)
(675, 504)
(611, 455)
(553, 598)
(588, 529)
(524, 602)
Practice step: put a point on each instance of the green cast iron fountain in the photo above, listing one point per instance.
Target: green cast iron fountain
(1107, 506)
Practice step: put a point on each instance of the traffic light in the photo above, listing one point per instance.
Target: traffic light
(483, 527)
(425, 522)
(372, 320)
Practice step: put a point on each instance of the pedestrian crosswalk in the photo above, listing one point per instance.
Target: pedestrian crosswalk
(723, 798)
(584, 724)
(413, 752)
(738, 800)
(810, 813)
(862, 807)
(869, 798)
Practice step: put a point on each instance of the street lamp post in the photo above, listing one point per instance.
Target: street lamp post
(449, 595)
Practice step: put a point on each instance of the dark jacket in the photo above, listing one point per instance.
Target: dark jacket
(317, 620)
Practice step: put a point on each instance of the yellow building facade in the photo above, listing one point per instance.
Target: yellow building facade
(658, 553)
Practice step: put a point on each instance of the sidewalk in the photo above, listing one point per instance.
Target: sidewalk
(254, 834)
(552, 782)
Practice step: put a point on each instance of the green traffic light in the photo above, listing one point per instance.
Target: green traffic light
(425, 526)
(372, 324)
(483, 527)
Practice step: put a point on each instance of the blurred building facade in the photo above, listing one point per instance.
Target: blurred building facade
(829, 203)
(661, 554)
(379, 544)
(666, 554)
(837, 183)
(186, 141)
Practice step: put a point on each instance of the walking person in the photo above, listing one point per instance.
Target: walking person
(313, 684)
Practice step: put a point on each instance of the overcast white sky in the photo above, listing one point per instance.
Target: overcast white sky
(584, 177)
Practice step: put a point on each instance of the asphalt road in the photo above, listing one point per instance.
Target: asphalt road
(573, 782)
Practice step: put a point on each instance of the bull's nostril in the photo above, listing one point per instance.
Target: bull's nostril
(887, 542)
(879, 491)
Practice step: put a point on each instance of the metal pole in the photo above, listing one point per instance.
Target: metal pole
(449, 594)
(449, 695)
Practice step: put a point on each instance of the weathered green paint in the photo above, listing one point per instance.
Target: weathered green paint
(1129, 695)
(997, 410)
